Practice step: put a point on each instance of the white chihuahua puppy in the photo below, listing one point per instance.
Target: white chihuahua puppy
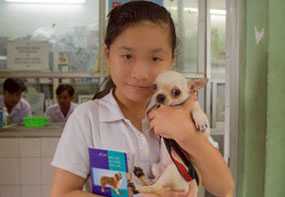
(172, 89)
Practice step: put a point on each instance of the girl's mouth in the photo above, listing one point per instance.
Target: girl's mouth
(140, 86)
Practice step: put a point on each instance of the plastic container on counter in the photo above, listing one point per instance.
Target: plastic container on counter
(35, 121)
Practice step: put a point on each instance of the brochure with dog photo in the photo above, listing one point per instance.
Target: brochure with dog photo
(108, 171)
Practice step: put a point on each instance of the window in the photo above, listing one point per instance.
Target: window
(185, 16)
(66, 36)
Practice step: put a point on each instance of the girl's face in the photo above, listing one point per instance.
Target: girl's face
(136, 57)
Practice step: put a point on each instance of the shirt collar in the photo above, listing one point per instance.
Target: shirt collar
(70, 110)
(109, 110)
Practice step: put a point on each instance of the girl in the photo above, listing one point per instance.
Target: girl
(139, 44)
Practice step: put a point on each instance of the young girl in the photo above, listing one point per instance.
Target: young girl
(140, 43)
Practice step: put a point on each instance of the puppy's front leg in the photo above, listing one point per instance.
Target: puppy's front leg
(200, 118)
(202, 122)
(169, 180)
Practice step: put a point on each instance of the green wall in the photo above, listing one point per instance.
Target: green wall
(275, 138)
(262, 93)
(253, 102)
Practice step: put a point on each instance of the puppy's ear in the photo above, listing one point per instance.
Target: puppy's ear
(196, 84)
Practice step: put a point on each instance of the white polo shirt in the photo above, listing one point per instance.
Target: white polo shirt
(101, 124)
(19, 111)
(55, 114)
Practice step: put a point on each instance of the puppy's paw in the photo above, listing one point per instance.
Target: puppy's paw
(201, 120)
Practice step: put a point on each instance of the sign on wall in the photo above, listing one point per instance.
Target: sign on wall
(27, 55)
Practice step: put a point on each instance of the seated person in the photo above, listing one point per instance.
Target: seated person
(16, 106)
(64, 107)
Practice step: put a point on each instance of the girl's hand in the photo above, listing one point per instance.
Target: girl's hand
(173, 122)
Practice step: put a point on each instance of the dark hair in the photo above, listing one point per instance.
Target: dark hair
(123, 16)
(65, 87)
(13, 85)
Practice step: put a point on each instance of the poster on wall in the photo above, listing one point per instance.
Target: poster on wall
(114, 3)
(28, 55)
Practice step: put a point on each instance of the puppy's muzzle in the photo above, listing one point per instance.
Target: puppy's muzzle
(160, 98)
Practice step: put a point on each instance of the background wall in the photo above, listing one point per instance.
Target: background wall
(275, 138)
(262, 92)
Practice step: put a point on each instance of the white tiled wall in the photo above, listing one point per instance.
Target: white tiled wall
(25, 169)
(46, 171)
(48, 146)
(30, 147)
(30, 171)
(45, 190)
(10, 191)
(30, 191)
(9, 148)
(9, 171)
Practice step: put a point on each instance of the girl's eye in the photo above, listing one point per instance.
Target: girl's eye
(127, 57)
(156, 59)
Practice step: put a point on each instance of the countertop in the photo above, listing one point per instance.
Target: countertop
(51, 130)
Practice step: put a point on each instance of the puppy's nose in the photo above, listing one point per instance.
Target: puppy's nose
(160, 98)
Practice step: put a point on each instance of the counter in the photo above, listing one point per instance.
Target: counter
(25, 156)
(51, 130)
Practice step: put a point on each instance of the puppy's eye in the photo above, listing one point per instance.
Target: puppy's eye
(175, 92)
(154, 87)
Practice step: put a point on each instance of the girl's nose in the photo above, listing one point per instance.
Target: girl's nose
(140, 71)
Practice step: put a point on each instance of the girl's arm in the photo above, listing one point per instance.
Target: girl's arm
(66, 184)
(176, 123)
(216, 176)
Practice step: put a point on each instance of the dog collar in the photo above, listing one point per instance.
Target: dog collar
(189, 172)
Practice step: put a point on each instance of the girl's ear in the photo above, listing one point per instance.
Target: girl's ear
(106, 52)
(107, 55)
(196, 84)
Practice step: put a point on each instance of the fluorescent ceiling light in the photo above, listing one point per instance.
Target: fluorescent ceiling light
(48, 1)
(212, 11)
(218, 12)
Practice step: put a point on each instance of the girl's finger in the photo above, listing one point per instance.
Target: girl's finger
(151, 115)
(153, 124)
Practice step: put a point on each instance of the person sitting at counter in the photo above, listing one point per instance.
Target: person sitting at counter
(16, 106)
(64, 107)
